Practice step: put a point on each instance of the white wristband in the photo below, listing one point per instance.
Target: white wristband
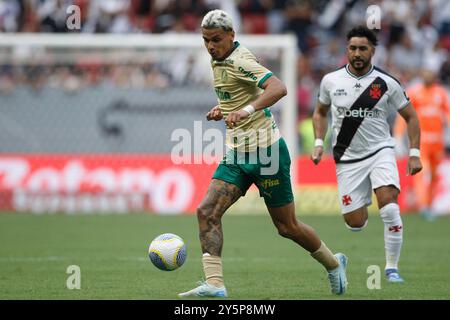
(250, 109)
(414, 152)
(318, 143)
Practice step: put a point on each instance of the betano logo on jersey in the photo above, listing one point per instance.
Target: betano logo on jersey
(358, 113)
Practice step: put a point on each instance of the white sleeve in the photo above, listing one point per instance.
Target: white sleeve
(324, 92)
(398, 98)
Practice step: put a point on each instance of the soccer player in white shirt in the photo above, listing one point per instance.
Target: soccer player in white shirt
(360, 97)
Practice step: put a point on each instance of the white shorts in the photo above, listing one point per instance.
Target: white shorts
(357, 180)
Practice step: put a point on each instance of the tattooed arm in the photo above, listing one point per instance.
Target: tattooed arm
(219, 197)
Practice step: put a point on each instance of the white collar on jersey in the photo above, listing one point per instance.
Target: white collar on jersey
(356, 77)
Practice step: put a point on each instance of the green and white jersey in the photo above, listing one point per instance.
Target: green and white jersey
(237, 82)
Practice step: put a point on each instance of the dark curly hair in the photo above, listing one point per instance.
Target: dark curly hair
(363, 32)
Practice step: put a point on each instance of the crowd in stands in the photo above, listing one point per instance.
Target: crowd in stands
(413, 34)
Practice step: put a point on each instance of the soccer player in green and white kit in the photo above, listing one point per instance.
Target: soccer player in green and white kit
(246, 90)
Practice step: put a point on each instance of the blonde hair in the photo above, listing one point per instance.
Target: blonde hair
(217, 19)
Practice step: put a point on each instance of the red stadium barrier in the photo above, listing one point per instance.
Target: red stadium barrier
(135, 183)
(100, 183)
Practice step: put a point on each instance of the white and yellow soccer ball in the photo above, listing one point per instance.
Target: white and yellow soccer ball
(167, 252)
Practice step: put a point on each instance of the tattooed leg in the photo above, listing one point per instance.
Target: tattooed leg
(219, 197)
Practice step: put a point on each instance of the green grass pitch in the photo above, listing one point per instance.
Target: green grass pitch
(111, 251)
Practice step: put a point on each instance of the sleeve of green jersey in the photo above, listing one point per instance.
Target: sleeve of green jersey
(251, 71)
(263, 79)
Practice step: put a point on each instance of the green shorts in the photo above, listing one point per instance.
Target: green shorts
(268, 168)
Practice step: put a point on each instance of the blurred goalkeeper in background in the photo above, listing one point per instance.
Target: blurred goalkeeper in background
(245, 91)
(431, 102)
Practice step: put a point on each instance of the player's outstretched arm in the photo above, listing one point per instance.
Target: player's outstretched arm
(413, 128)
(320, 125)
(274, 90)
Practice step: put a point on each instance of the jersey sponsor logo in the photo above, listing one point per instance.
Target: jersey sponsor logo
(224, 63)
(358, 113)
(350, 125)
(339, 92)
(346, 200)
(248, 74)
(267, 183)
(223, 95)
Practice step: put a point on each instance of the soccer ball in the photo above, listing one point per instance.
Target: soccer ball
(167, 252)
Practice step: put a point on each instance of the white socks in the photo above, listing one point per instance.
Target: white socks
(393, 234)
